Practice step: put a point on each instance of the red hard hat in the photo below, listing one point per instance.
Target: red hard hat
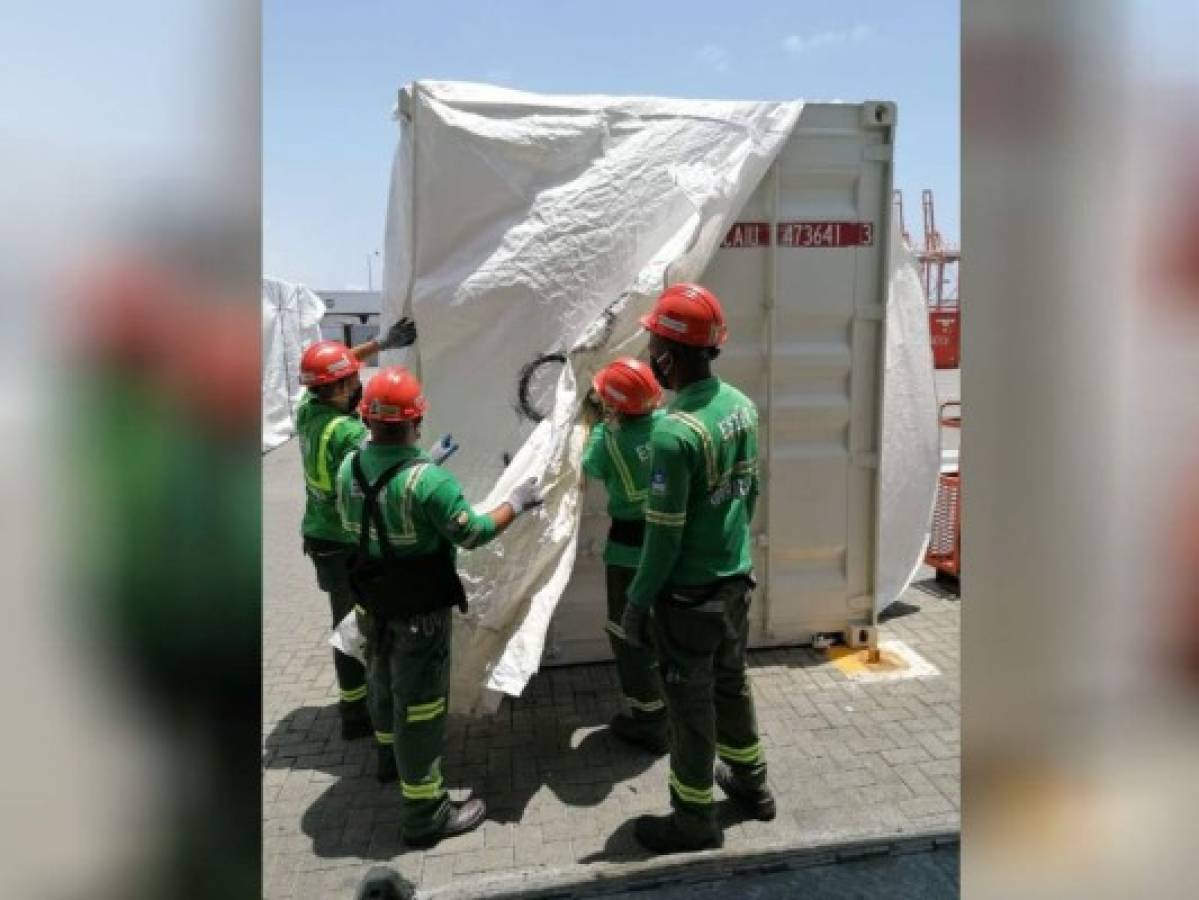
(393, 395)
(326, 362)
(628, 386)
(687, 314)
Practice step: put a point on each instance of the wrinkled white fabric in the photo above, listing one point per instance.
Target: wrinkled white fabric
(291, 320)
(515, 221)
(911, 455)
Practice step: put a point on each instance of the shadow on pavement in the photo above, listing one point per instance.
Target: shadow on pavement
(622, 846)
(358, 817)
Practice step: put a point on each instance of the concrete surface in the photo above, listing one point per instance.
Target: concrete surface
(849, 762)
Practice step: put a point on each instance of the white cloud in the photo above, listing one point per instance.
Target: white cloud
(798, 44)
(714, 56)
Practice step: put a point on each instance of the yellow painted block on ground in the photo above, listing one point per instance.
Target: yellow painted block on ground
(896, 661)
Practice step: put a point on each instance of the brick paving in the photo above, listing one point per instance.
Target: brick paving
(848, 761)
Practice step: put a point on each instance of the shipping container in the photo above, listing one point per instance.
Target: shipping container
(803, 276)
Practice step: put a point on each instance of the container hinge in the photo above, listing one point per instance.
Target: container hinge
(879, 153)
(863, 460)
(869, 314)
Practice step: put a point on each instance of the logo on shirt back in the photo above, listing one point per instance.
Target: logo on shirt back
(657, 483)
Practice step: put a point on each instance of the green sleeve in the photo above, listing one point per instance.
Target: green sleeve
(665, 514)
(347, 437)
(343, 481)
(449, 513)
(595, 454)
(751, 498)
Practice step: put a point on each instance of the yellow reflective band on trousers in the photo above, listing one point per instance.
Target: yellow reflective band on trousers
(429, 791)
(426, 711)
(385, 737)
(747, 756)
(615, 630)
(671, 520)
(354, 695)
(690, 794)
(645, 706)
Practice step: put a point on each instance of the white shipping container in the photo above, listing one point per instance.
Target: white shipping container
(803, 279)
(521, 225)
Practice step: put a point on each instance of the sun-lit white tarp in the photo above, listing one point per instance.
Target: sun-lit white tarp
(910, 458)
(291, 320)
(523, 224)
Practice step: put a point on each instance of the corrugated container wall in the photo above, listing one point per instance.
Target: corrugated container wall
(803, 278)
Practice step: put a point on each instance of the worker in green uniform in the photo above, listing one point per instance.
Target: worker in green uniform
(617, 454)
(408, 516)
(328, 426)
(695, 575)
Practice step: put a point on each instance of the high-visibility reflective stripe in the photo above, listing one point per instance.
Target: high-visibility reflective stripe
(426, 711)
(430, 791)
(385, 737)
(645, 705)
(613, 629)
(358, 609)
(706, 439)
(322, 480)
(745, 755)
(746, 467)
(622, 469)
(353, 695)
(407, 528)
(690, 794)
(670, 520)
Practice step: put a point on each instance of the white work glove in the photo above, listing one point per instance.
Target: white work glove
(525, 496)
(443, 449)
(401, 334)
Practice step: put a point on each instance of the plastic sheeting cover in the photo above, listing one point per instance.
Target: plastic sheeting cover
(911, 455)
(521, 224)
(291, 320)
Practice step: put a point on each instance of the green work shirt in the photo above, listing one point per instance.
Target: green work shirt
(422, 504)
(618, 455)
(702, 491)
(327, 435)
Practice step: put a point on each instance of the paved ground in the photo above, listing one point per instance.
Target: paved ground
(849, 761)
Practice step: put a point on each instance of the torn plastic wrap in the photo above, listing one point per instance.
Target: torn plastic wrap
(520, 225)
(291, 320)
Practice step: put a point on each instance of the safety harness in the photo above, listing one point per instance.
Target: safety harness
(391, 586)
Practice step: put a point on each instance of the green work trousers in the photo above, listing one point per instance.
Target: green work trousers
(708, 698)
(637, 667)
(408, 664)
(332, 576)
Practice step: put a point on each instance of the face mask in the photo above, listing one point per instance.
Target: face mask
(661, 366)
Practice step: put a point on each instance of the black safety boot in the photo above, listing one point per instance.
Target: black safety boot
(463, 817)
(757, 803)
(663, 834)
(648, 735)
(355, 721)
(386, 770)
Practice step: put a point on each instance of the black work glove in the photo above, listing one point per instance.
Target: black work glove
(634, 621)
(401, 334)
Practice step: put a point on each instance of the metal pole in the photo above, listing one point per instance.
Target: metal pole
(369, 274)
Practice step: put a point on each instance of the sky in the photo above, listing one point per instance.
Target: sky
(331, 72)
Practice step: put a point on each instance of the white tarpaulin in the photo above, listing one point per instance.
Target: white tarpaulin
(291, 320)
(520, 225)
(911, 446)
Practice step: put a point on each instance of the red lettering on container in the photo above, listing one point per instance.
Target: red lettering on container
(748, 234)
(801, 234)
